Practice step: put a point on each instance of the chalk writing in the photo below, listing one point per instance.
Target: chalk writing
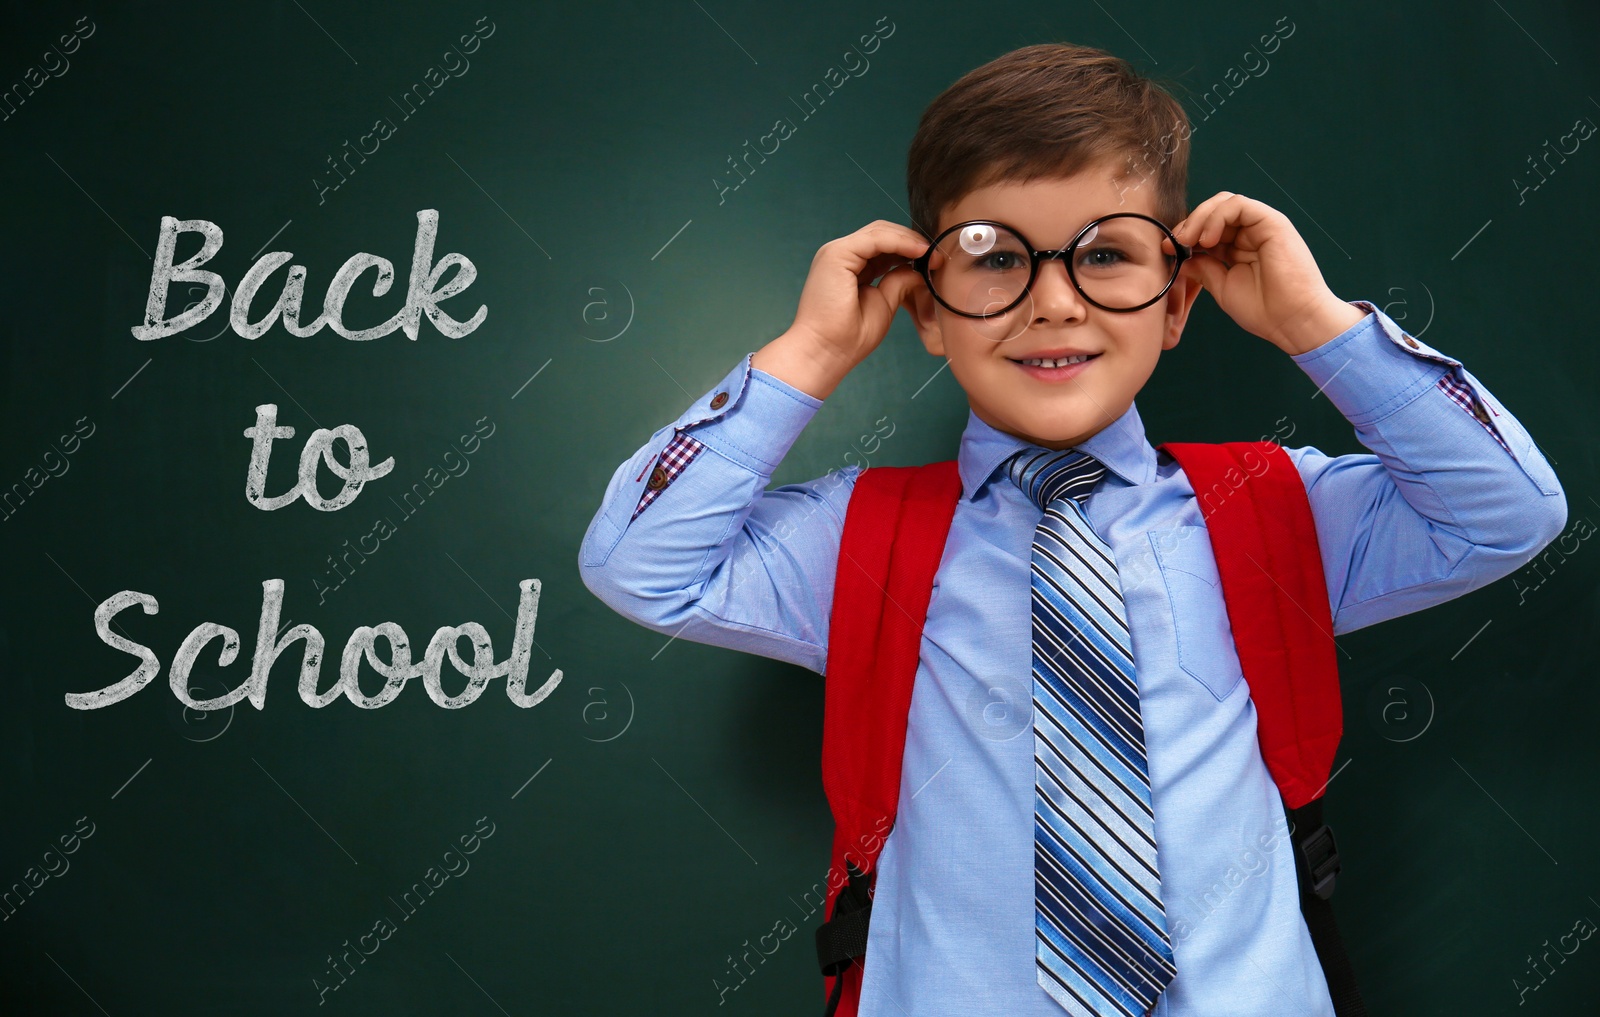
(318, 448)
(423, 294)
(361, 645)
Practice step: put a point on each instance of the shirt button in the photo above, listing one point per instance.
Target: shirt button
(658, 479)
(1479, 412)
(719, 400)
(1410, 342)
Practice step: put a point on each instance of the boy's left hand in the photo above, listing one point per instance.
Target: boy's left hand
(1260, 271)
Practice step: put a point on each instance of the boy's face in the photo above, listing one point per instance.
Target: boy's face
(1053, 320)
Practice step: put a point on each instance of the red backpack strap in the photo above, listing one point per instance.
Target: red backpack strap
(1265, 541)
(894, 534)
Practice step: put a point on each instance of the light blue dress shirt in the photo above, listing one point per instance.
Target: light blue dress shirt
(1440, 507)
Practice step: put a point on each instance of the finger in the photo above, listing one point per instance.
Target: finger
(898, 285)
(1261, 220)
(1195, 227)
(1187, 229)
(1223, 219)
(885, 224)
(879, 265)
(1203, 228)
(895, 292)
(1233, 217)
(870, 258)
(892, 237)
(1195, 250)
(1206, 211)
(1211, 272)
(918, 243)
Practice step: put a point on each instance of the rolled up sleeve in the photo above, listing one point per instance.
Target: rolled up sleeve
(688, 541)
(1454, 495)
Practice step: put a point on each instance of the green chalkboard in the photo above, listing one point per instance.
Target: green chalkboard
(606, 843)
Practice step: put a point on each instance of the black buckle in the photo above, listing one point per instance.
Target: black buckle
(1319, 854)
(842, 939)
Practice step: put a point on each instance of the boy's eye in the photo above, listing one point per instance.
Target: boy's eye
(1100, 257)
(1003, 261)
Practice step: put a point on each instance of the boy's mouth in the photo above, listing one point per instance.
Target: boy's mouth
(1055, 368)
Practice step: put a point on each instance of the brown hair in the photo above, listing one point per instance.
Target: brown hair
(1047, 110)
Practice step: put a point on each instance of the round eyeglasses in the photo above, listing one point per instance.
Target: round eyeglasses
(1116, 262)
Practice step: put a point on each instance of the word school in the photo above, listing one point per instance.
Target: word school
(396, 671)
(423, 294)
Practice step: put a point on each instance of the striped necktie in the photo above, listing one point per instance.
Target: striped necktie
(1101, 940)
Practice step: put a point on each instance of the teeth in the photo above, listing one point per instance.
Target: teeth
(1060, 362)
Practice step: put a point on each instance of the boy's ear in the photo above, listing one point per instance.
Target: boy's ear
(1179, 300)
(924, 311)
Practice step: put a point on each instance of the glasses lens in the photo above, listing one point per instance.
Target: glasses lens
(1120, 264)
(984, 269)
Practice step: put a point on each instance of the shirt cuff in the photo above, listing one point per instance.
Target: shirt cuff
(750, 417)
(1373, 368)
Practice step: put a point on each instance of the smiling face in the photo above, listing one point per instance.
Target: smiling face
(1053, 406)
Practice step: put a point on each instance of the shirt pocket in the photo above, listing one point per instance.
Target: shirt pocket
(1199, 614)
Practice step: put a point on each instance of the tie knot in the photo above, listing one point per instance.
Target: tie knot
(1047, 475)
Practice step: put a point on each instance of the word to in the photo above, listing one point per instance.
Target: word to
(423, 293)
(52, 461)
(383, 928)
(398, 670)
(34, 878)
(318, 448)
(384, 128)
(54, 61)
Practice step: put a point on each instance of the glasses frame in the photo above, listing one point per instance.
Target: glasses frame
(1036, 258)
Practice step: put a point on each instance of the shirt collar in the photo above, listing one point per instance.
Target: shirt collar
(1121, 446)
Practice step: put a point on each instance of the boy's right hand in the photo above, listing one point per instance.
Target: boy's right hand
(842, 315)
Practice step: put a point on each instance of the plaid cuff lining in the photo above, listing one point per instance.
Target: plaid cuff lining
(1462, 395)
(679, 453)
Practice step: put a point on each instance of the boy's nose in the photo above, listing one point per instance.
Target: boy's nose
(1053, 295)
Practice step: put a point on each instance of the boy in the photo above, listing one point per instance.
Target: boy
(1041, 143)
